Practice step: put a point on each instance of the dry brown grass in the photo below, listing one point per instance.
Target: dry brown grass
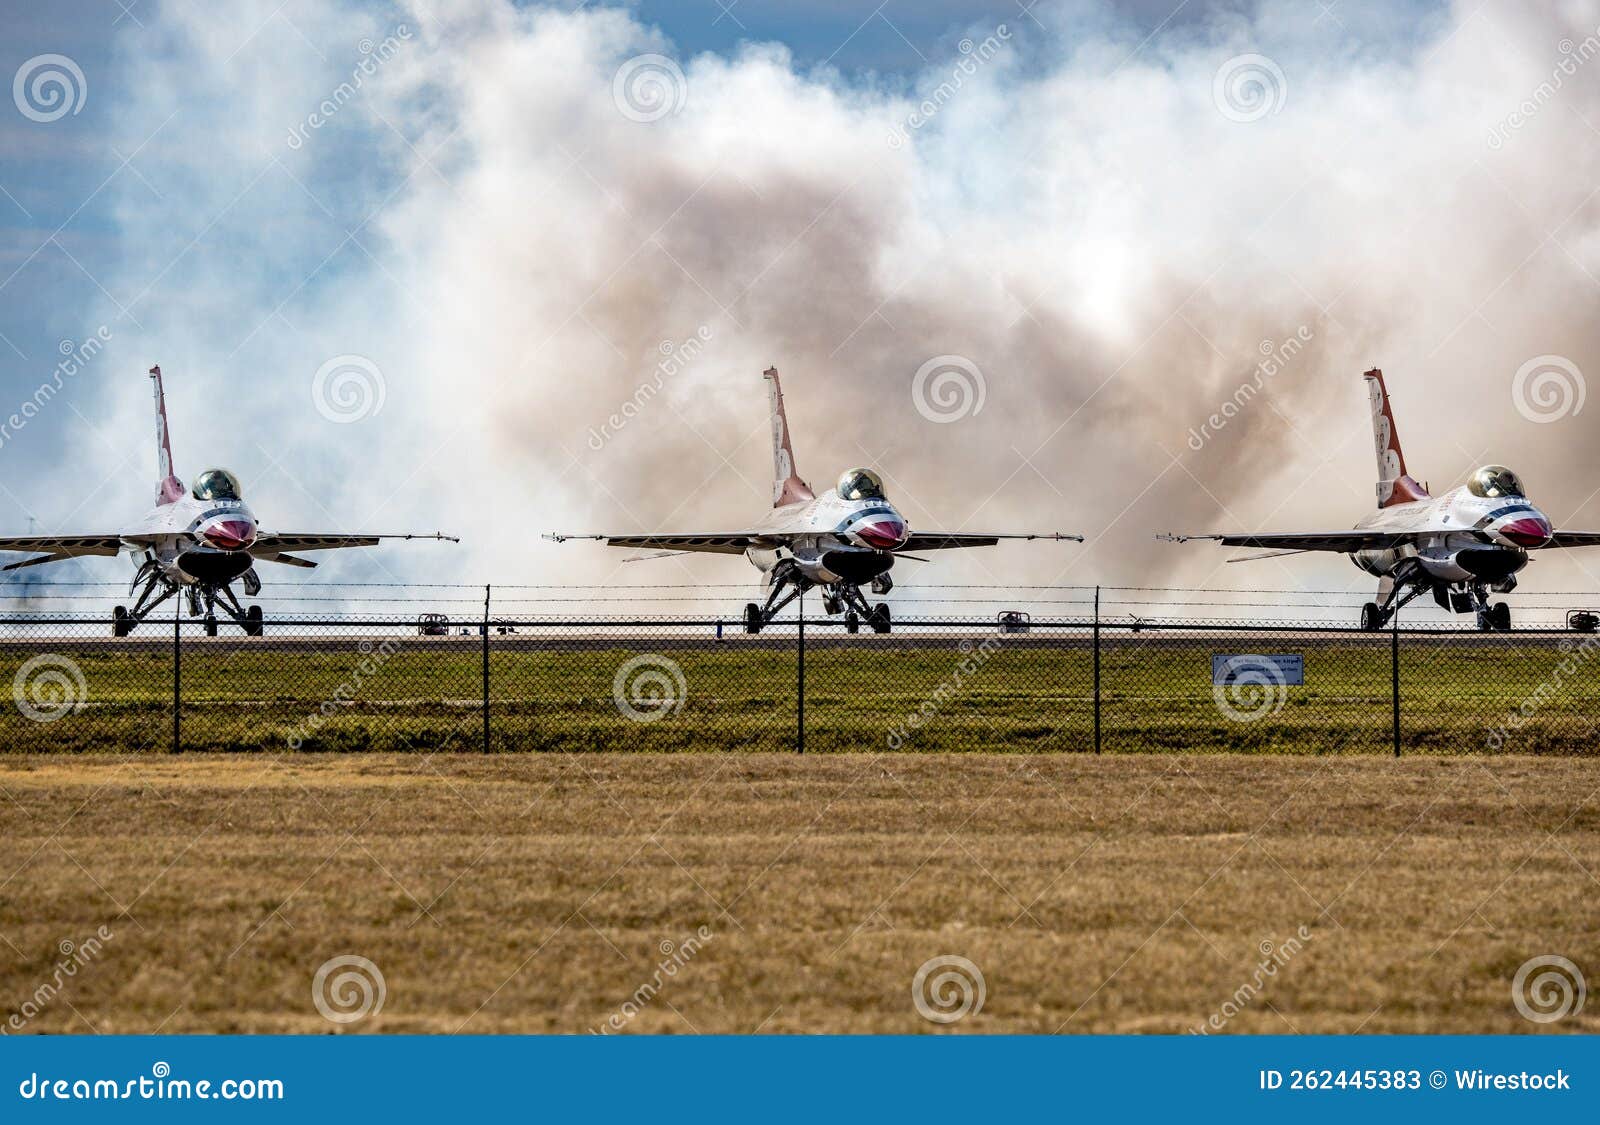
(531, 893)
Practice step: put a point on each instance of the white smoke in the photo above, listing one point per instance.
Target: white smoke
(1112, 236)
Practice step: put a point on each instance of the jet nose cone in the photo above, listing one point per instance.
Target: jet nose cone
(884, 533)
(1526, 531)
(230, 535)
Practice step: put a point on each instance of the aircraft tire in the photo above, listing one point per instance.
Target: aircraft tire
(1371, 618)
(121, 621)
(852, 622)
(253, 625)
(1500, 617)
(211, 625)
(752, 618)
(879, 618)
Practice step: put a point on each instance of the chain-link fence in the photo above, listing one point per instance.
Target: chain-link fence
(342, 684)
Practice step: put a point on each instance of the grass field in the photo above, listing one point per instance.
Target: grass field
(997, 693)
(535, 892)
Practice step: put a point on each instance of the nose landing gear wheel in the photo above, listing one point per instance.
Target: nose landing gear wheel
(879, 618)
(1500, 617)
(852, 622)
(253, 626)
(121, 621)
(752, 618)
(1371, 619)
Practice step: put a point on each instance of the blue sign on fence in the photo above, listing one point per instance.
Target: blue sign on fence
(1278, 668)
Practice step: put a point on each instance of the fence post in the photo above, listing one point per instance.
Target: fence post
(800, 678)
(177, 679)
(1394, 680)
(486, 669)
(1097, 669)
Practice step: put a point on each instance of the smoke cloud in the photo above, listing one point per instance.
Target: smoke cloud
(1162, 265)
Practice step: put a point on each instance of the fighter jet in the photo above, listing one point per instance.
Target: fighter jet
(1458, 546)
(196, 541)
(848, 536)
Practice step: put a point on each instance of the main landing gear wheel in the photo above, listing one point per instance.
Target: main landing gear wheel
(1500, 617)
(253, 626)
(1371, 617)
(879, 618)
(211, 625)
(121, 621)
(752, 617)
(852, 622)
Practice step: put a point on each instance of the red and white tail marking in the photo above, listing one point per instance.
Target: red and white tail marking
(787, 487)
(170, 488)
(1395, 486)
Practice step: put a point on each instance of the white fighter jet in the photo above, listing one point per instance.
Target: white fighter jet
(197, 541)
(847, 536)
(1458, 546)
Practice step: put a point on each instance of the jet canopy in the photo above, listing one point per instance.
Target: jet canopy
(216, 484)
(860, 484)
(1495, 481)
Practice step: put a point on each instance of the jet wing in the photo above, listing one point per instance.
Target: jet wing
(949, 540)
(272, 546)
(1340, 541)
(56, 548)
(714, 543)
(1573, 539)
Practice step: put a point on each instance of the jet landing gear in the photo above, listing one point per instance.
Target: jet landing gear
(157, 589)
(1375, 615)
(846, 597)
(1494, 618)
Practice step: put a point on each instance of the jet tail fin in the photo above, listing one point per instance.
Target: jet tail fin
(170, 488)
(787, 487)
(1395, 486)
